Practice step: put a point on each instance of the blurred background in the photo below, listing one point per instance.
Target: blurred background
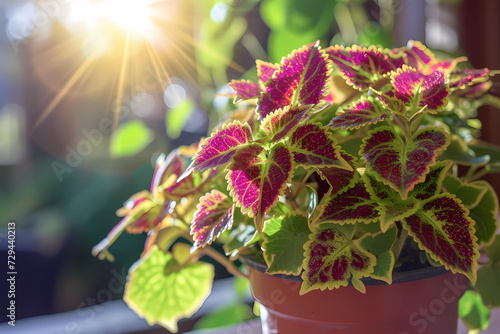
(92, 92)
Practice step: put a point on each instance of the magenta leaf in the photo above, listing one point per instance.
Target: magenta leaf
(245, 89)
(417, 55)
(361, 66)
(351, 205)
(414, 88)
(444, 230)
(214, 214)
(221, 146)
(474, 90)
(331, 259)
(167, 170)
(282, 121)
(313, 145)
(265, 70)
(401, 164)
(465, 77)
(301, 80)
(258, 178)
(337, 178)
(362, 113)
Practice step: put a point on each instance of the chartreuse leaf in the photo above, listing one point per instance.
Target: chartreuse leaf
(488, 285)
(178, 116)
(162, 289)
(443, 229)
(469, 193)
(472, 311)
(282, 121)
(221, 146)
(130, 138)
(301, 80)
(364, 112)
(331, 259)
(420, 90)
(352, 205)
(284, 239)
(314, 146)
(380, 244)
(485, 214)
(257, 180)
(213, 215)
(402, 165)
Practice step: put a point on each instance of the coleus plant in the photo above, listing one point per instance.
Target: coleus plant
(339, 163)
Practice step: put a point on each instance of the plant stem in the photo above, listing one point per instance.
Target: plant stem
(292, 199)
(228, 264)
(398, 245)
(302, 182)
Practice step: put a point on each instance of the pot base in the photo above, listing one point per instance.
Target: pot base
(421, 306)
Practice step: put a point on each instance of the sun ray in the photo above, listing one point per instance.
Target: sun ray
(121, 82)
(64, 90)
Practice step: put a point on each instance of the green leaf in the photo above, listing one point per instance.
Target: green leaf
(284, 238)
(488, 285)
(163, 296)
(493, 250)
(473, 312)
(469, 193)
(177, 117)
(485, 214)
(239, 237)
(227, 316)
(380, 245)
(130, 138)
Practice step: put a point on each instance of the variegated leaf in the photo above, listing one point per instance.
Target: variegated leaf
(257, 180)
(361, 67)
(245, 89)
(402, 164)
(314, 146)
(265, 70)
(214, 214)
(221, 146)
(416, 89)
(281, 122)
(331, 259)
(352, 205)
(362, 113)
(443, 229)
(301, 80)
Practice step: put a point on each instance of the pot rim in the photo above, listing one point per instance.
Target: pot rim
(397, 277)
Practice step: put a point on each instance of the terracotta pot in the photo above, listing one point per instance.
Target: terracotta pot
(419, 301)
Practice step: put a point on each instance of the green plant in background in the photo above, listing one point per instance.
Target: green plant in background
(338, 164)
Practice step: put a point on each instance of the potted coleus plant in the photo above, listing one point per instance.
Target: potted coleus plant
(336, 181)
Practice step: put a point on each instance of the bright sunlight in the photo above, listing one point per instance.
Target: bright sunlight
(131, 15)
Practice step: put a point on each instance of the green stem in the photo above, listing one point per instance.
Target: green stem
(400, 241)
(302, 182)
(223, 260)
(483, 172)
